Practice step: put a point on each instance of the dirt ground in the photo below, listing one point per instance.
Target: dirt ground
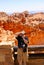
(34, 60)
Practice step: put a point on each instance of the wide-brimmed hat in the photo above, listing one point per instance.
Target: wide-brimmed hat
(21, 32)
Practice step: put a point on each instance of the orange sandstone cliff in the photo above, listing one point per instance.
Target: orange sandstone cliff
(32, 24)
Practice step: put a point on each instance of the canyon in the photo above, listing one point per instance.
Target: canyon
(32, 24)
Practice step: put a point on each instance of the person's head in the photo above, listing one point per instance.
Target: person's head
(21, 34)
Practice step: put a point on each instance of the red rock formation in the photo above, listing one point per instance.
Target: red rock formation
(32, 24)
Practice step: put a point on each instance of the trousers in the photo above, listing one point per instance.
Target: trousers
(22, 57)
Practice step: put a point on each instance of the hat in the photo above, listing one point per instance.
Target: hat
(21, 32)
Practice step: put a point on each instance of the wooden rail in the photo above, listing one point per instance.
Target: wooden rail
(33, 49)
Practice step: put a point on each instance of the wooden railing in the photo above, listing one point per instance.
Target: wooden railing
(35, 49)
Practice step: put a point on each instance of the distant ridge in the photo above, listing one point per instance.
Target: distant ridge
(31, 12)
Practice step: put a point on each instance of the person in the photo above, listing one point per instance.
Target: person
(22, 49)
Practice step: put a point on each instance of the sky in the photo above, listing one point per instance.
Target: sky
(21, 5)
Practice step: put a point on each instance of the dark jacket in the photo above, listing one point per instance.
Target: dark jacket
(20, 41)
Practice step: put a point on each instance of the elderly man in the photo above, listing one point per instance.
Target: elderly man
(22, 49)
